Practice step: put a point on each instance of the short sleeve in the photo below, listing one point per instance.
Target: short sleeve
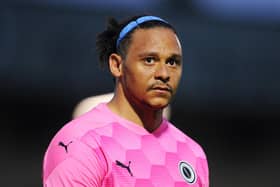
(79, 165)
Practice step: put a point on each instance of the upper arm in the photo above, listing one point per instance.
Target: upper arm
(72, 172)
(80, 165)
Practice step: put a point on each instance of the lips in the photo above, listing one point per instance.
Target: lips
(162, 88)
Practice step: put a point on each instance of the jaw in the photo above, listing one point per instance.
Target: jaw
(157, 103)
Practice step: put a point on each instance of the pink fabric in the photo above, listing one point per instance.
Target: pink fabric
(102, 149)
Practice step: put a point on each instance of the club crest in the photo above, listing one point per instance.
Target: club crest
(187, 172)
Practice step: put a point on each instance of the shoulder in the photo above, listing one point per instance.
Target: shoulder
(71, 163)
(91, 120)
(78, 127)
(183, 137)
(69, 142)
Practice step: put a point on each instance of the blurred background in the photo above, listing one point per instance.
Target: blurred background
(228, 100)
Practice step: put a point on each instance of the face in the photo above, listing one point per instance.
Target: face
(152, 68)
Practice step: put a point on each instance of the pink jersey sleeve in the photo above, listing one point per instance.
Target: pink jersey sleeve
(79, 165)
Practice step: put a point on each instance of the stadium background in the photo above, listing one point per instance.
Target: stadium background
(229, 98)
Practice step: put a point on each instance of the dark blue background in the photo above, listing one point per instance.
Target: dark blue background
(228, 100)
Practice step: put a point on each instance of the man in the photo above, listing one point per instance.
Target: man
(127, 142)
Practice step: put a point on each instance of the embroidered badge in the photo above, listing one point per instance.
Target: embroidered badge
(187, 172)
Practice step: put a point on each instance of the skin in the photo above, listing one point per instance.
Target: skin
(147, 79)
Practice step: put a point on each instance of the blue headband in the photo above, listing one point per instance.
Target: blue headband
(133, 24)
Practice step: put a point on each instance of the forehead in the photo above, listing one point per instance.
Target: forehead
(157, 39)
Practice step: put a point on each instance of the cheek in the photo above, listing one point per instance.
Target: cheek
(133, 79)
(140, 74)
(177, 78)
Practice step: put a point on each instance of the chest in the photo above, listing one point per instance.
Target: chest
(150, 161)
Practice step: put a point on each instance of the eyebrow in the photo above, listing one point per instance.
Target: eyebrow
(174, 55)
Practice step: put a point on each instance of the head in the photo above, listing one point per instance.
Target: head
(145, 57)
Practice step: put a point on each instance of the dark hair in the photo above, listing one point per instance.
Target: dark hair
(106, 40)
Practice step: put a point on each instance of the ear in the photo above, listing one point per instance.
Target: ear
(115, 65)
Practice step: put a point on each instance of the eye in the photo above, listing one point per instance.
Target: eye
(149, 60)
(173, 62)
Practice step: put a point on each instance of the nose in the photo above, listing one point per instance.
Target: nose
(162, 73)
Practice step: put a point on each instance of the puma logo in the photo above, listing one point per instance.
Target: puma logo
(65, 146)
(124, 166)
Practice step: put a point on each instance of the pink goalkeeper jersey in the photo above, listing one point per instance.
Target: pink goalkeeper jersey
(101, 149)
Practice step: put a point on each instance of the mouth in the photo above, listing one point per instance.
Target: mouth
(162, 89)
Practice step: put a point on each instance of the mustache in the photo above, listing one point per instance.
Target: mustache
(160, 85)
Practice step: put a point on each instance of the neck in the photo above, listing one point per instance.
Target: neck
(143, 116)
